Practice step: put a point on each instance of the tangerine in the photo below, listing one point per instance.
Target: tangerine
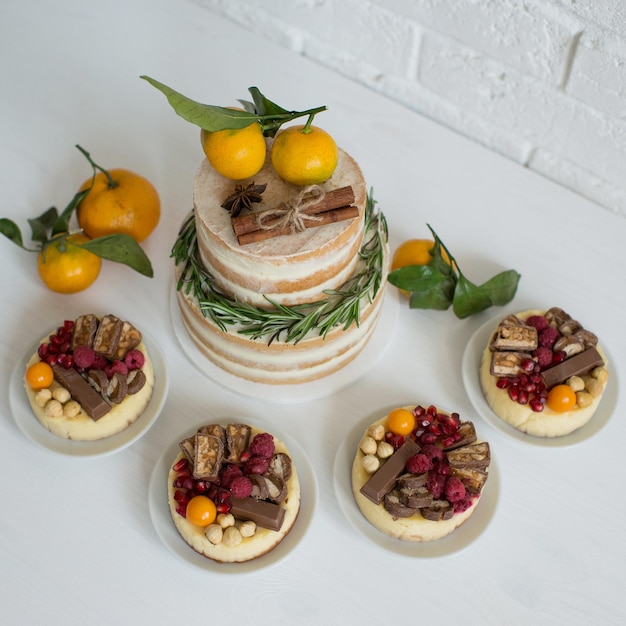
(39, 375)
(401, 422)
(65, 267)
(201, 511)
(119, 201)
(235, 153)
(561, 398)
(304, 155)
(412, 252)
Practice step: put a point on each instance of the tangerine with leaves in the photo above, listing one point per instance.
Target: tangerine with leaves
(65, 267)
(304, 155)
(39, 375)
(235, 153)
(400, 422)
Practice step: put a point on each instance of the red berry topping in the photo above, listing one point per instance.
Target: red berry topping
(538, 321)
(418, 464)
(256, 465)
(228, 474)
(262, 445)
(455, 489)
(544, 357)
(435, 484)
(116, 367)
(181, 464)
(84, 356)
(548, 336)
(134, 359)
(433, 452)
(241, 487)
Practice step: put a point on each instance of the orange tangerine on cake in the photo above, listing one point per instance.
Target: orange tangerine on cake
(201, 511)
(400, 421)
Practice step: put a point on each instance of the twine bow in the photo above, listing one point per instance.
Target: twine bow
(293, 215)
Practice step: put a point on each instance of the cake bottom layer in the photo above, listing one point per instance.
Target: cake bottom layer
(279, 363)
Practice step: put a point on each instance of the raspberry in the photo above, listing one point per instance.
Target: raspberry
(116, 367)
(544, 357)
(256, 465)
(241, 487)
(418, 464)
(100, 362)
(84, 356)
(262, 445)
(134, 359)
(228, 474)
(538, 321)
(433, 452)
(548, 336)
(455, 489)
(435, 484)
(463, 504)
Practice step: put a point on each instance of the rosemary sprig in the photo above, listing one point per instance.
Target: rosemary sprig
(341, 307)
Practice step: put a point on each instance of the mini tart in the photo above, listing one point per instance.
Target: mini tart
(81, 427)
(416, 527)
(261, 542)
(544, 423)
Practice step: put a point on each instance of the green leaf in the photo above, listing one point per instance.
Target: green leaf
(438, 297)
(61, 224)
(39, 226)
(430, 289)
(264, 106)
(121, 249)
(205, 116)
(11, 230)
(468, 298)
(501, 288)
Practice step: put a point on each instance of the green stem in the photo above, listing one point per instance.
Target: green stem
(453, 264)
(112, 184)
(275, 121)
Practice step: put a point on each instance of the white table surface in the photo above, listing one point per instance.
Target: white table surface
(77, 545)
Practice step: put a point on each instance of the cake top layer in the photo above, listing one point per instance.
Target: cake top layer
(211, 189)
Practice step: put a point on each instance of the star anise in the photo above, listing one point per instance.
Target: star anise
(243, 198)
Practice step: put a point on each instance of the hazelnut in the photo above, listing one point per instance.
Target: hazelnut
(376, 432)
(601, 374)
(370, 463)
(583, 399)
(225, 520)
(576, 383)
(247, 528)
(368, 445)
(232, 537)
(384, 450)
(42, 396)
(214, 533)
(71, 408)
(594, 386)
(53, 408)
(61, 394)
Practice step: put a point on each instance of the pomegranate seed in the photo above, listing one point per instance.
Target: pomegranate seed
(202, 486)
(42, 351)
(540, 387)
(180, 495)
(68, 325)
(51, 359)
(189, 483)
(53, 348)
(178, 482)
(530, 387)
(181, 509)
(396, 441)
(426, 423)
(448, 441)
(514, 393)
(56, 340)
(181, 464)
(559, 357)
(65, 347)
(429, 438)
(536, 405)
(434, 428)
(222, 496)
(224, 507)
(418, 411)
(522, 397)
(528, 365)
(432, 411)
(502, 383)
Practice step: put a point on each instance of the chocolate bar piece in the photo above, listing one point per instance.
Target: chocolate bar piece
(130, 337)
(237, 439)
(89, 399)
(108, 336)
(518, 337)
(476, 455)
(508, 363)
(576, 365)
(382, 481)
(84, 330)
(263, 513)
(208, 456)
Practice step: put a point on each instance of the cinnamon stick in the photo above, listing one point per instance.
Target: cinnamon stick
(341, 197)
(327, 217)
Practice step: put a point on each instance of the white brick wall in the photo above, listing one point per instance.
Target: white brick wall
(540, 81)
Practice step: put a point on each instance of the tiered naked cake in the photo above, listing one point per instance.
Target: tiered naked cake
(281, 284)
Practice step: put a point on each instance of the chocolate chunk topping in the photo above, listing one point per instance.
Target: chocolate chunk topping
(574, 366)
(518, 337)
(438, 511)
(395, 507)
(265, 514)
(382, 481)
(237, 439)
(208, 456)
(116, 389)
(91, 402)
(476, 455)
(84, 330)
(136, 381)
(130, 337)
(108, 336)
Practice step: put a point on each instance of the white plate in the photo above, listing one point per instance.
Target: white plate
(471, 379)
(302, 392)
(32, 428)
(164, 526)
(460, 539)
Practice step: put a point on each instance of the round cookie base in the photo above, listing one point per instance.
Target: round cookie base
(84, 428)
(415, 528)
(262, 542)
(546, 423)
